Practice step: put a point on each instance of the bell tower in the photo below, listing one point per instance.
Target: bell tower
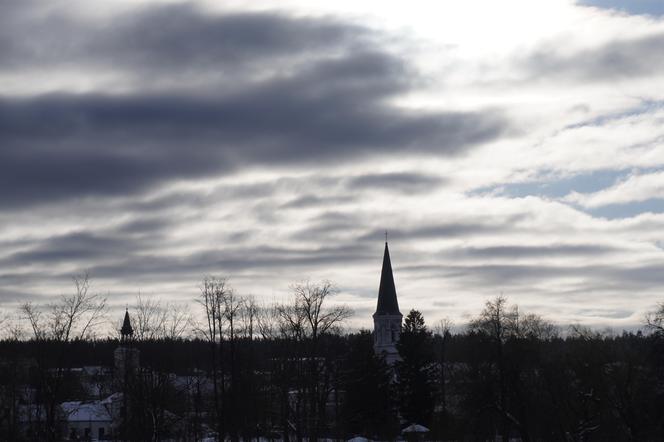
(127, 331)
(126, 356)
(387, 319)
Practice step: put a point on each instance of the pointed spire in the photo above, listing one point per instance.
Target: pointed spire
(387, 292)
(126, 330)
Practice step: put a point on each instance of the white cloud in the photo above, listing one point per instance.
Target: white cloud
(635, 188)
(266, 225)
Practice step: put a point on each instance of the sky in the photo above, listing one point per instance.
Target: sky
(511, 147)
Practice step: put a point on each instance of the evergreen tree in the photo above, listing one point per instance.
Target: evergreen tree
(415, 371)
(369, 406)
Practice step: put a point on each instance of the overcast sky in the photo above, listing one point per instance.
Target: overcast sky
(512, 147)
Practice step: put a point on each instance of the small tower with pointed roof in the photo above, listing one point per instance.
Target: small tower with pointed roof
(126, 356)
(126, 332)
(387, 319)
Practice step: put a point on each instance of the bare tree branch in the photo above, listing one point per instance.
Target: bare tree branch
(75, 316)
(655, 319)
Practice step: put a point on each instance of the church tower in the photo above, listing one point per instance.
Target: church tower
(126, 356)
(127, 331)
(387, 319)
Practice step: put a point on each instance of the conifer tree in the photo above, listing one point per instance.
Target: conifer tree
(415, 370)
(369, 407)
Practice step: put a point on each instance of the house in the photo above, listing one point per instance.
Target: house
(90, 420)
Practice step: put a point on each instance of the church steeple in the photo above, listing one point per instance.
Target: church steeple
(387, 292)
(127, 357)
(126, 331)
(387, 319)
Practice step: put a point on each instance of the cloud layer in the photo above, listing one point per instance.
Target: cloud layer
(153, 143)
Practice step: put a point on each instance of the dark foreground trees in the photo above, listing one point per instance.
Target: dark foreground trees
(287, 372)
(415, 371)
(73, 317)
(370, 404)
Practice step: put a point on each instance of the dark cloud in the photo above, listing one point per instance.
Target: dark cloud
(407, 182)
(232, 261)
(615, 60)
(327, 103)
(134, 249)
(594, 279)
(515, 252)
(84, 246)
(446, 229)
(193, 199)
(145, 225)
(67, 146)
(75, 246)
(162, 41)
(309, 200)
(11, 280)
(9, 296)
(330, 226)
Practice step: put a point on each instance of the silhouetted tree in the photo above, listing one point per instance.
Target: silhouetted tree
(415, 370)
(212, 298)
(74, 317)
(370, 401)
(303, 323)
(655, 319)
(153, 319)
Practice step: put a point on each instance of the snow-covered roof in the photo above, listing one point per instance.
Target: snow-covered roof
(76, 411)
(115, 397)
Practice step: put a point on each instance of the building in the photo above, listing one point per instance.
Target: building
(90, 420)
(126, 357)
(387, 319)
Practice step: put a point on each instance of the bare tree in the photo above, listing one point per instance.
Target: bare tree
(497, 320)
(212, 299)
(305, 320)
(149, 318)
(291, 321)
(232, 305)
(506, 325)
(4, 319)
(213, 291)
(249, 316)
(535, 327)
(655, 319)
(583, 332)
(155, 320)
(310, 299)
(11, 326)
(34, 316)
(267, 318)
(73, 317)
(178, 321)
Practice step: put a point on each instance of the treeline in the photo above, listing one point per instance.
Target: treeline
(286, 372)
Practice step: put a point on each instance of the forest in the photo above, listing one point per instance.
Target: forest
(291, 372)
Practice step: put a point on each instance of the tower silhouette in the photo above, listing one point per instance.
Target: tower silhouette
(387, 318)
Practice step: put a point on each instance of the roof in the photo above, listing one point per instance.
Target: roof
(126, 329)
(77, 411)
(387, 292)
